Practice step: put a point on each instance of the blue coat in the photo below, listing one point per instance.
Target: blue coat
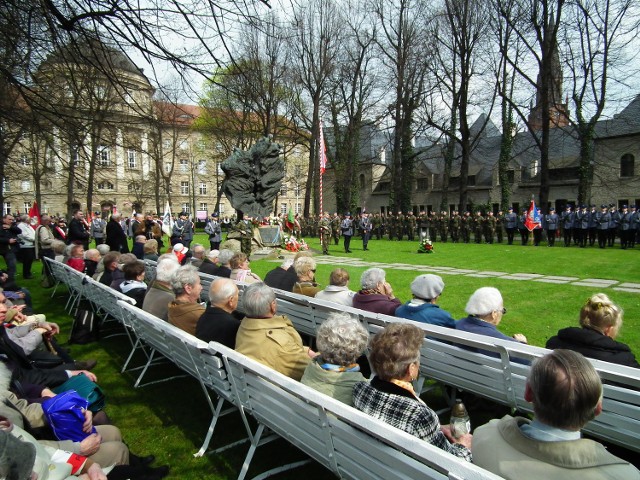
(426, 313)
(475, 325)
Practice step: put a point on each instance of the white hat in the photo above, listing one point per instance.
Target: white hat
(180, 248)
(427, 287)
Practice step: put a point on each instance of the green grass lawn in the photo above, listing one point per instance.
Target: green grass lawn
(170, 419)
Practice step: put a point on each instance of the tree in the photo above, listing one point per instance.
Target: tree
(403, 45)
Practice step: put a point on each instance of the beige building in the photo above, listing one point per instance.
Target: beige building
(109, 143)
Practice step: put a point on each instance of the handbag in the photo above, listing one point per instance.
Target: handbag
(87, 389)
(65, 415)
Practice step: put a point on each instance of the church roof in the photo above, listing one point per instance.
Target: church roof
(626, 122)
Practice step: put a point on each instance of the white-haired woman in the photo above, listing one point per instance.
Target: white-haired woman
(600, 322)
(341, 340)
(305, 268)
(376, 294)
(486, 309)
(185, 310)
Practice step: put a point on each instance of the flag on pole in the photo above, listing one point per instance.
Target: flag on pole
(167, 220)
(290, 223)
(533, 217)
(323, 152)
(34, 212)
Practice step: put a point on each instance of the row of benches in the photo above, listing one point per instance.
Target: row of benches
(346, 441)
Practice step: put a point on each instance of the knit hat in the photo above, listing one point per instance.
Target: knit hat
(427, 287)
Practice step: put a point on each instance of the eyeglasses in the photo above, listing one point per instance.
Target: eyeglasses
(504, 310)
(314, 271)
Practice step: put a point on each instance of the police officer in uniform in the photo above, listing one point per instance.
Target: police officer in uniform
(567, 225)
(510, 224)
(347, 231)
(365, 227)
(551, 225)
(604, 217)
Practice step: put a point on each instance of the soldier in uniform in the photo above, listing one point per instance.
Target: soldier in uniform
(633, 225)
(325, 232)
(347, 231)
(376, 223)
(537, 229)
(582, 223)
(213, 229)
(465, 226)
(98, 228)
(365, 228)
(391, 225)
(478, 223)
(335, 228)
(399, 226)
(454, 226)
(624, 226)
(567, 225)
(613, 225)
(499, 225)
(245, 228)
(551, 225)
(489, 227)
(444, 226)
(524, 232)
(604, 218)
(593, 225)
(411, 224)
(510, 225)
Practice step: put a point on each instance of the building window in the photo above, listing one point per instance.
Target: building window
(203, 188)
(298, 208)
(6, 208)
(203, 207)
(221, 208)
(104, 156)
(25, 160)
(105, 186)
(471, 181)
(511, 176)
(183, 145)
(283, 189)
(26, 185)
(184, 188)
(283, 208)
(133, 187)
(132, 158)
(26, 207)
(166, 144)
(383, 155)
(535, 167)
(219, 168)
(167, 167)
(296, 190)
(362, 181)
(627, 166)
(186, 208)
(184, 165)
(202, 167)
(422, 184)
(74, 158)
(384, 186)
(6, 185)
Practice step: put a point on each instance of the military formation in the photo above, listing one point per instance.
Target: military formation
(580, 226)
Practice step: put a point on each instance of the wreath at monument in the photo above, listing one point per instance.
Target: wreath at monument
(426, 246)
(292, 244)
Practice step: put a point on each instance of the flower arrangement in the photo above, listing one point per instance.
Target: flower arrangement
(426, 246)
(292, 244)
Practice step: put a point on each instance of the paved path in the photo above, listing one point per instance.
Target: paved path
(533, 277)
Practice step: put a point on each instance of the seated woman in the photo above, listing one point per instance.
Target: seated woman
(76, 258)
(376, 294)
(338, 291)
(150, 250)
(486, 308)
(600, 322)
(305, 268)
(340, 339)
(133, 285)
(185, 310)
(390, 397)
(240, 269)
(426, 290)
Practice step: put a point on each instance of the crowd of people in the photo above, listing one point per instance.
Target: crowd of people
(563, 387)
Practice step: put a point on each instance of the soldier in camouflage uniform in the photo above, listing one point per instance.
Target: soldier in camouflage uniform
(376, 222)
(478, 221)
(391, 225)
(454, 226)
(325, 232)
(444, 226)
(499, 225)
(465, 226)
(245, 227)
(489, 227)
(399, 225)
(411, 223)
(335, 228)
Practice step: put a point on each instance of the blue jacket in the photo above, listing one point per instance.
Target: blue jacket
(426, 313)
(475, 325)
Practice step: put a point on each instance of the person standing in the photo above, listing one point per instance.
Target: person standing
(325, 232)
(26, 239)
(213, 229)
(603, 225)
(335, 228)
(44, 237)
(182, 230)
(524, 232)
(593, 225)
(551, 224)
(365, 227)
(78, 232)
(115, 236)
(245, 229)
(567, 225)
(625, 225)
(614, 221)
(347, 231)
(489, 227)
(98, 228)
(510, 224)
(499, 225)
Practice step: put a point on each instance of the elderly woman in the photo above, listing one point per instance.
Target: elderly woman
(390, 397)
(423, 307)
(340, 339)
(185, 310)
(376, 294)
(305, 268)
(485, 309)
(240, 269)
(150, 250)
(337, 291)
(600, 322)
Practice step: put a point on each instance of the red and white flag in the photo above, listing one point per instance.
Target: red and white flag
(323, 152)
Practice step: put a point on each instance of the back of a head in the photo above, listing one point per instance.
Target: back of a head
(600, 313)
(393, 349)
(237, 260)
(566, 389)
(257, 299)
(341, 339)
(225, 256)
(166, 266)
(103, 248)
(58, 246)
(371, 277)
(133, 270)
(484, 301)
(150, 246)
(92, 254)
(111, 257)
(128, 258)
(221, 289)
(304, 265)
(339, 277)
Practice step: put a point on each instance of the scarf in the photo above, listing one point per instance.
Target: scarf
(354, 367)
(407, 386)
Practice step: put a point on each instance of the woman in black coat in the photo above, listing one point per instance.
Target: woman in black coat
(600, 322)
